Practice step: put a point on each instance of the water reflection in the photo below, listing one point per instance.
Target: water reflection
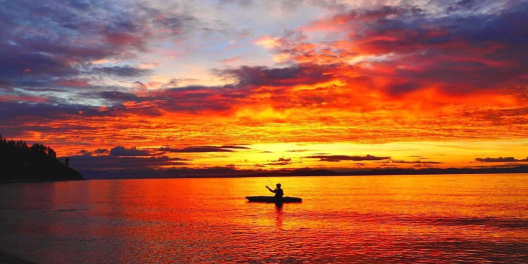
(425, 219)
(278, 218)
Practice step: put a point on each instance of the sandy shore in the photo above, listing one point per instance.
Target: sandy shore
(6, 258)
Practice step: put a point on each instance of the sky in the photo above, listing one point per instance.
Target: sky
(267, 85)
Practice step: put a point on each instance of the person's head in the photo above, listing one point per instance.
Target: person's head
(278, 185)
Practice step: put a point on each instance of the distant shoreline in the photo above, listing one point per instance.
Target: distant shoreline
(36, 181)
(204, 173)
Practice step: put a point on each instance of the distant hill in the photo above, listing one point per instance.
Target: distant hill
(392, 171)
(401, 171)
(21, 162)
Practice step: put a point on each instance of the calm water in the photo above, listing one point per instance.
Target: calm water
(384, 219)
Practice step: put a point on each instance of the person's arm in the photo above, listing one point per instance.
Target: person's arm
(270, 189)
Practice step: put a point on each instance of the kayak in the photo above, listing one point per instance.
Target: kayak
(272, 199)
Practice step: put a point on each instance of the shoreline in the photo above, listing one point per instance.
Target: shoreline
(118, 175)
(278, 175)
(169, 174)
(37, 181)
(8, 258)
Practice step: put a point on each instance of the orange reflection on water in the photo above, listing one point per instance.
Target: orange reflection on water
(388, 219)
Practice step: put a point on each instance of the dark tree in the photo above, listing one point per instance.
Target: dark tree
(20, 162)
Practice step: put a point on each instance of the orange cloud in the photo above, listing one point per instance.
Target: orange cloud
(267, 41)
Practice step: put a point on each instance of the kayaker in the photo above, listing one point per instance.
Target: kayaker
(278, 191)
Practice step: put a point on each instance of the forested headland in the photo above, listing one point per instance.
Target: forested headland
(21, 162)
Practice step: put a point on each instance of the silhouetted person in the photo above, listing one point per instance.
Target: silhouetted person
(278, 191)
(67, 162)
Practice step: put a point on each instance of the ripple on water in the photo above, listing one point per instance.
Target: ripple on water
(371, 220)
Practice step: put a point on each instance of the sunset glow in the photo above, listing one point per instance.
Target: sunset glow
(268, 85)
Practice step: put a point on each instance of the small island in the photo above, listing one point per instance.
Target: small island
(36, 163)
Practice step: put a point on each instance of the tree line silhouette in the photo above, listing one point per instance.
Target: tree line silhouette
(21, 162)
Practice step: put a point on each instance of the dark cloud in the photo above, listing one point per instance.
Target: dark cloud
(85, 153)
(277, 163)
(280, 162)
(265, 76)
(465, 5)
(470, 6)
(87, 162)
(46, 38)
(118, 96)
(337, 158)
(175, 25)
(470, 53)
(198, 99)
(97, 152)
(9, 111)
(53, 107)
(198, 149)
(19, 67)
(41, 41)
(73, 82)
(120, 71)
(234, 147)
(122, 151)
(459, 53)
(101, 151)
(501, 159)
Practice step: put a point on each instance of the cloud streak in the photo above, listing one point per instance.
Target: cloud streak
(338, 158)
(120, 151)
(126, 162)
(200, 149)
(501, 159)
